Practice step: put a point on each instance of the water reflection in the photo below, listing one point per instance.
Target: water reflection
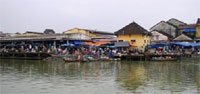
(38, 77)
(131, 75)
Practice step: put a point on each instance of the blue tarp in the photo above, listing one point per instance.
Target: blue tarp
(195, 44)
(189, 30)
(158, 45)
(181, 44)
(78, 42)
(185, 44)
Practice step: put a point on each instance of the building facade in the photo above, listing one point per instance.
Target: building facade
(191, 30)
(89, 34)
(136, 35)
(169, 27)
(158, 37)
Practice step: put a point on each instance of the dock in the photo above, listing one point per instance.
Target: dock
(149, 57)
(25, 55)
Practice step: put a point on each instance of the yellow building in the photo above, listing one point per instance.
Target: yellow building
(90, 33)
(191, 30)
(136, 35)
(198, 31)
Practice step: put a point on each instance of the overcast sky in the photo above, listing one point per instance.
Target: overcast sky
(103, 15)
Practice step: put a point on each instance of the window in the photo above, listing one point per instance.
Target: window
(120, 40)
(157, 37)
(153, 37)
(133, 41)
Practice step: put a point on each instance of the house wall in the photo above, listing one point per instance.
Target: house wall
(139, 38)
(198, 31)
(156, 36)
(165, 27)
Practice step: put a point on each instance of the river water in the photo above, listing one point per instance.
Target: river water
(133, 77)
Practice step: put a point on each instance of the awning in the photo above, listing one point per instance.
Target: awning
(101, 43)
(89, 43)
(122, 44)
(186, 30)
(67, 45)
(107, 46)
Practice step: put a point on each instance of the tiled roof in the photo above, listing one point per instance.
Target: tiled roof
(182, 37)
(132, 28)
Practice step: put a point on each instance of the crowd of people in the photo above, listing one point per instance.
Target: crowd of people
(65, 51)
(95, 52)
(173, 49)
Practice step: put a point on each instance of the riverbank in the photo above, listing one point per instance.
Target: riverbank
(89, 58)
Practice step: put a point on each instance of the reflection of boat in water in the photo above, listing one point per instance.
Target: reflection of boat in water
(66, 59)
(164, 59)
(71, 58)
(86, 58)
(79, 58)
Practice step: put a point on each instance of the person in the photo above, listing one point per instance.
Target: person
(30, 48)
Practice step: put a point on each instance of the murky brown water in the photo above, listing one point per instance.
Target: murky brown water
(38, 77)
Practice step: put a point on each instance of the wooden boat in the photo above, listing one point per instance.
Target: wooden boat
(87, 58)
(66, 59)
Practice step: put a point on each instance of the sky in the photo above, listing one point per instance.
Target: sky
(103, 15)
